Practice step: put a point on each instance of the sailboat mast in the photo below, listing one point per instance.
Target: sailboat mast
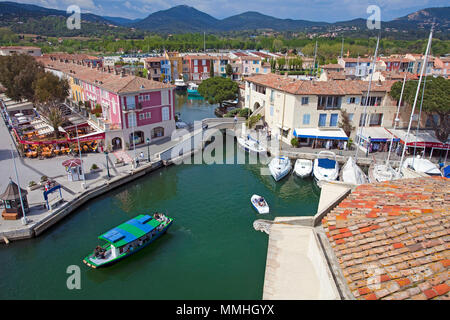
(415, 98)
(315, 54)
(396, 120)
(358, 139)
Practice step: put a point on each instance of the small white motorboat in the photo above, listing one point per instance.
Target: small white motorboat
(326, 169)
(192, 89)
(250, 145)
(352, 173)
(279, 167)
(381, 172)
(260, 204)
(303, 167)
(422, 165)
(180, 84)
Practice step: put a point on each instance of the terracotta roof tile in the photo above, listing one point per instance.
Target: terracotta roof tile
(406, 244)
(103, 79)
(307, 87)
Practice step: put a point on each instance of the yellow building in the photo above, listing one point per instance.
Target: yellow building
(176, 64)
(76, 90)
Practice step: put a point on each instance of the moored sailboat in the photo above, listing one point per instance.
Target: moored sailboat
(352, 173)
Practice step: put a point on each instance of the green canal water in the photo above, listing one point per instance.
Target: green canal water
(210, 252)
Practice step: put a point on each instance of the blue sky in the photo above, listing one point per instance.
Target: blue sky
(313, 10)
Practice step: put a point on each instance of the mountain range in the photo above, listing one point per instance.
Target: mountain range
(182, 19)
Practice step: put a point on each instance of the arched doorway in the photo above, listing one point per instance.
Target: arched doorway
(138, 137)
(116, 143)
(157, 132)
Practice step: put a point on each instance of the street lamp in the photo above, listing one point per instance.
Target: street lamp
(148, 149)
(107, 165)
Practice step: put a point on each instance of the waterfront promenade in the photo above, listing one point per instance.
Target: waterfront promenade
(72, 191)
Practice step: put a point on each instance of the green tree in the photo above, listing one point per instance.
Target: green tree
(17, 74)
(49, 93)
(345, 123)
(218, 89)
(229, 70)
(211, 70)
(436, 100)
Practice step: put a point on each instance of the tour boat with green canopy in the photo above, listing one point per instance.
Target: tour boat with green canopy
(128, 238)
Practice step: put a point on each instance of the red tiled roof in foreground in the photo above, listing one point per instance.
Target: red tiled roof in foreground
(392, 239)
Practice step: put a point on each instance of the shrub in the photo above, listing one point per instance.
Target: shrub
(253, 120)
(94, 167)
(32, 183)
(44, 178)
(294, 142)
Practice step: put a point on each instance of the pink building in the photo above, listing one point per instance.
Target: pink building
(123, 106)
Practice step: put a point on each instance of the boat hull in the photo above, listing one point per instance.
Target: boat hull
(303, 168)
(279, 174)
(261, 210)
(89, 263)
(248, 148)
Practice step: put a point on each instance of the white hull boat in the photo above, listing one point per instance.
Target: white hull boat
(326, 169)
(422, 165)
(260, 204)
(251, 145)
(303, 167)
(381, 172)
(180, 84)
(352, 173)
(280, 167)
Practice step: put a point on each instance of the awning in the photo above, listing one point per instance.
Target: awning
(376, 134)
(317, 133)
(423, 139)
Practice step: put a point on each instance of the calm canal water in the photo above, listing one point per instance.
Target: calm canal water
(210, 252)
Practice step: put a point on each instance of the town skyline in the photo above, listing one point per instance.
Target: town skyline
(296, 10)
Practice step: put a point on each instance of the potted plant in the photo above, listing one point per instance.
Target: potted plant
(32, 185)
(44, 180)
(95, 168)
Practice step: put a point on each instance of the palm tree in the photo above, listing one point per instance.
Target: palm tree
(54, 116)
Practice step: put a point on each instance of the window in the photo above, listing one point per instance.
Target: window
(158, 132)
(362, 120)
(271, 111)
(306, 118)
(322, 119)
(141, 116)
(329, 102)
(375, 119)
(334, 119)
(147, 97)
(140, 98)
(271, 95)
(432, 120)
(196, 69)
(204, 62)
(350, 116)
(205, 69)
(131, 120)
(165, 114)
(148, 115)
(372, 101)
(305, 100)
(257, 70)
(195, 62)
(351, 100)
(131, 102)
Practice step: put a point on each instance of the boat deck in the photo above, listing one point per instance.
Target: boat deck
(97, 261)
